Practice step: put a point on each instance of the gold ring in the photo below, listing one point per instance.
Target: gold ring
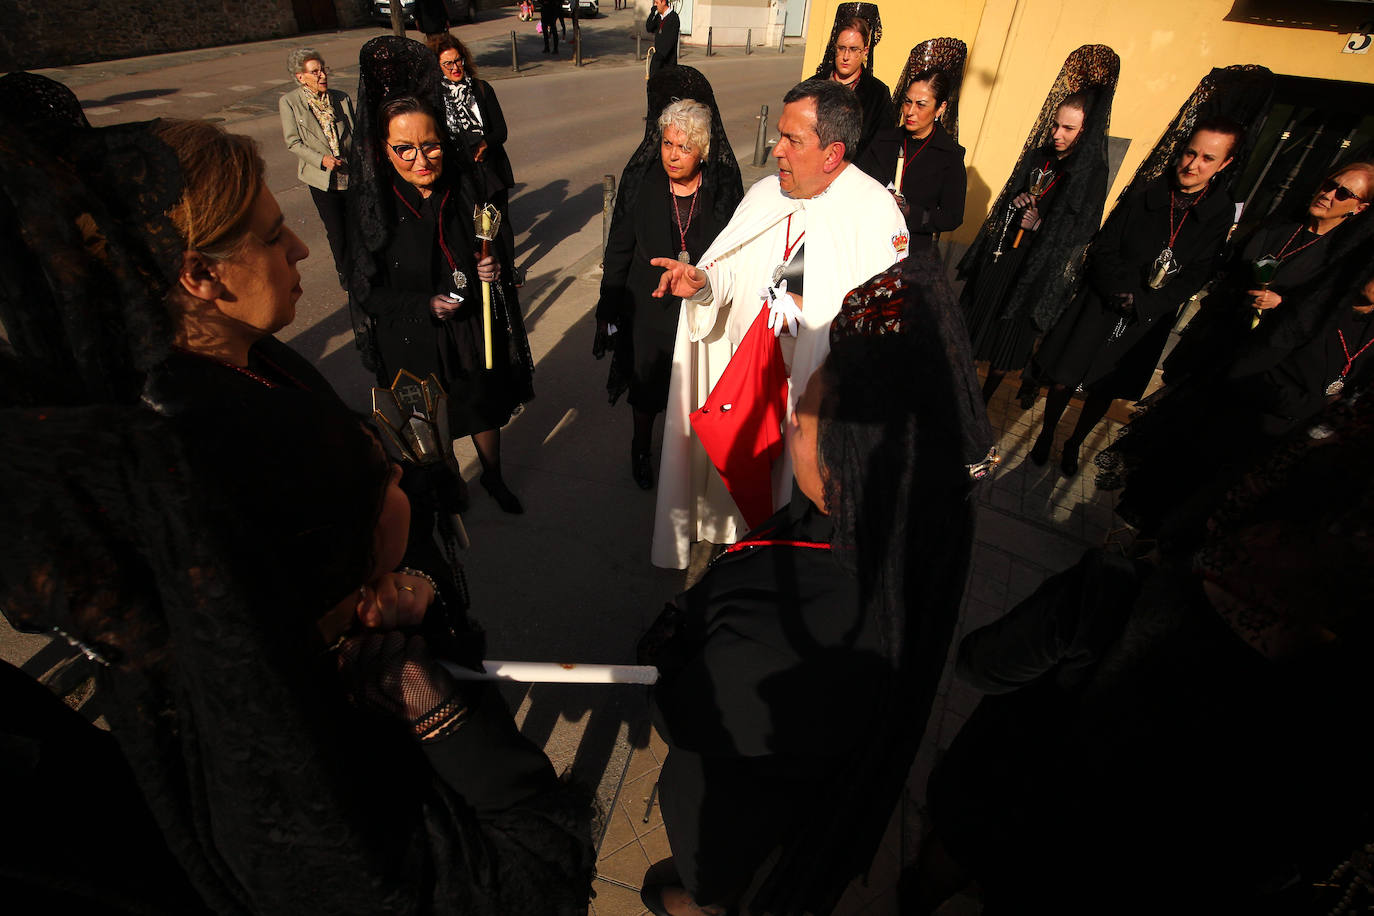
(409, 588)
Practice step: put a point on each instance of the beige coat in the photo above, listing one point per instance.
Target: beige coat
(305, 138)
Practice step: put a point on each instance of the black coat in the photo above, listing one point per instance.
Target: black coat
(496, 162)
(934, 182)
(1078, 349)
(876, 101)
(771, 675)
(412, 269)
(646, 230)
(665, 30)
(431, 17)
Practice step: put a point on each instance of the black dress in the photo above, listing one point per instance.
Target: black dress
(762, 691)
(934, 182)
(1006, 341)
(430, 239)
(650, 230)
(1080, 348)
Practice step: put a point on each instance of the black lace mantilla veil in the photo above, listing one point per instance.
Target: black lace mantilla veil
(1240, 93)
(720, 171)
(947, 55)
(843, 13)
(92, 246)
(389, 67)
(902, 421)
(1051, 273)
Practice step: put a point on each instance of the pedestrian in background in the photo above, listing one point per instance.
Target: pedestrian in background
(664, 26)
(475, 121)
(317, 124)
(549, 13)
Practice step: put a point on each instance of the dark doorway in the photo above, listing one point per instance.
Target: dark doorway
(1312, 127)
(315, 15)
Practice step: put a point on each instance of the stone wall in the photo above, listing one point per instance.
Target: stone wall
(52, 33)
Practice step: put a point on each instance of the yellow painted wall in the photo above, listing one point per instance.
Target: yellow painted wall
(1017, 46)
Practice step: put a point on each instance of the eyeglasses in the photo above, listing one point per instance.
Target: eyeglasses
(1342, 192)
(407, 153)
(451, 64)
(323, 71)
(841, 51)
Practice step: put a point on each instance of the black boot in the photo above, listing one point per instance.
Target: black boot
(642, 467)
(495, 485)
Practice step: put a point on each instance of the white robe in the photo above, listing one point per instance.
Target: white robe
(853, 231)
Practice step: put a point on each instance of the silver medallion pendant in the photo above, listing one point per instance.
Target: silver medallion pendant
(1335, 387)
(684, 257)
(1164, 269)
(777, 273)
(460, 280)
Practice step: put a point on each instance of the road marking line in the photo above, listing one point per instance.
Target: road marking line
(102, 110)
(241, 88)
(151, 102)
(198, 95)
(275, 82)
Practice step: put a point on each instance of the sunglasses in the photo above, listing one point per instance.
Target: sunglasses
(1342, 192)
(407, 153)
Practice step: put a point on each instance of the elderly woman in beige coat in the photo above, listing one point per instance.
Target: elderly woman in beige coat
(317, 123)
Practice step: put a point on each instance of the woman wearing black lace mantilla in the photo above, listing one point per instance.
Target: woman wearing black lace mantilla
(797, 675)
(418, 272)
(677, 192)
(1023, 267)
(207, 540)
(920, 159)
(849, 61)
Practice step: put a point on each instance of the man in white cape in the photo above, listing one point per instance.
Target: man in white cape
(849, 228)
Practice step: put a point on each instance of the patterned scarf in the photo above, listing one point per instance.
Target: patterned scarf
(461, 109)
(323, 110)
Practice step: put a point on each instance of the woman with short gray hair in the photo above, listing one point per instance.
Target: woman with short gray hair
(675, 196)
(317, 124)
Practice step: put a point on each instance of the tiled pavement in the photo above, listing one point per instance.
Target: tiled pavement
(1032, 522)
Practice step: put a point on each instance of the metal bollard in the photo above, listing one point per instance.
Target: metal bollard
(709, 31)
(607, 205)
(639, 51)
(760, 140)
(514, 56)
(749, 41)
(782, 37)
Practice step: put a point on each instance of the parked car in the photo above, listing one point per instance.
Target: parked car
(458, 11)
(586, 9)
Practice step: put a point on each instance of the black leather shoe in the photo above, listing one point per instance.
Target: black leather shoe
(495, 485)
(1040, 452)
(1068, 463)
(642, 469)
(1027, 395)
(651, 895)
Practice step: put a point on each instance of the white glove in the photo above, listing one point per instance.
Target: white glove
(783, 311)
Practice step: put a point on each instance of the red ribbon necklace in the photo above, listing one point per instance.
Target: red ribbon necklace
(788, 246)
(443, 246)
(1350, 360)
(1284, 254)
(677, 214)
(1174, 231)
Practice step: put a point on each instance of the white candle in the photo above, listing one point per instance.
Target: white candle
(901, 167)
(555, 673)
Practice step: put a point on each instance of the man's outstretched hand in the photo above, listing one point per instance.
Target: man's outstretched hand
(680, 279)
